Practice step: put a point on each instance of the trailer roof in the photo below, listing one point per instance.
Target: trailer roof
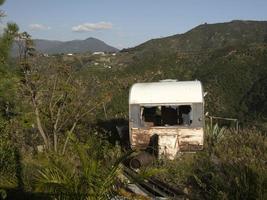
(166, 92)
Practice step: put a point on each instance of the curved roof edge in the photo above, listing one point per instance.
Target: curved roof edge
(173, 92)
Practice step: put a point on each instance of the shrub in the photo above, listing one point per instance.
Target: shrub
(232, 166)
(8, 163)
(234, 169)
(89, 172)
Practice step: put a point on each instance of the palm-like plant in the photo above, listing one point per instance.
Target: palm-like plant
(89, 174)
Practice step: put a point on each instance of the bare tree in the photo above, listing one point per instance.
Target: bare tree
(58, 96)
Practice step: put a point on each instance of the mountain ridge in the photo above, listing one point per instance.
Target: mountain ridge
(89, 44)
(208, 36)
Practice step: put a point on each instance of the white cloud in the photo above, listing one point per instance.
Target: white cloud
(92, 27)
(38, 27)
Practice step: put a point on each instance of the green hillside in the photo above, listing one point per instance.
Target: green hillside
(209, 36)
(234, 77)
(233, 70)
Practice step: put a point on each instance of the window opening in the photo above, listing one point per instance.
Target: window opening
(166, 115)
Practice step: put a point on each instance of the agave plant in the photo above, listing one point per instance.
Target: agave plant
(214, 134)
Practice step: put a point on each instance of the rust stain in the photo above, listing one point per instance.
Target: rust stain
(171, 140)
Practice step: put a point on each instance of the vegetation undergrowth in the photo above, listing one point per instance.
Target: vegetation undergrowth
(232, 166)
(89, 171)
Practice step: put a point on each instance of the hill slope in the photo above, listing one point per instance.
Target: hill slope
(231, 63)
(209, 36)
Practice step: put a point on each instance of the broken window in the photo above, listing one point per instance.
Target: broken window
(151, 116)
(166, 115)
(185, 115)
(169, 115)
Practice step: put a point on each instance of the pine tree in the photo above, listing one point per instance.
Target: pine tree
(7, 84)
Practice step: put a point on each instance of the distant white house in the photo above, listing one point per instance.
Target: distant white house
(114, 54)
(98, 53)
(107, 66)
(69, 54)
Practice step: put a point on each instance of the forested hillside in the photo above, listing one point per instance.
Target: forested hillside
(209, 36)
(234, 77)
(232, 66)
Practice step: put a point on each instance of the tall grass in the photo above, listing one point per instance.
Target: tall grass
(235, 168)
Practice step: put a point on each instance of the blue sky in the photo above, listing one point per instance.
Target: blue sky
(124, 23)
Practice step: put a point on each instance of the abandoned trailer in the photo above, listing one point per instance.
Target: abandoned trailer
(166, 117)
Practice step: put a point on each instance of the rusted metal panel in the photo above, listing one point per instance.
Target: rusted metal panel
(168, 145)
(171, 140)
(191, 139)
